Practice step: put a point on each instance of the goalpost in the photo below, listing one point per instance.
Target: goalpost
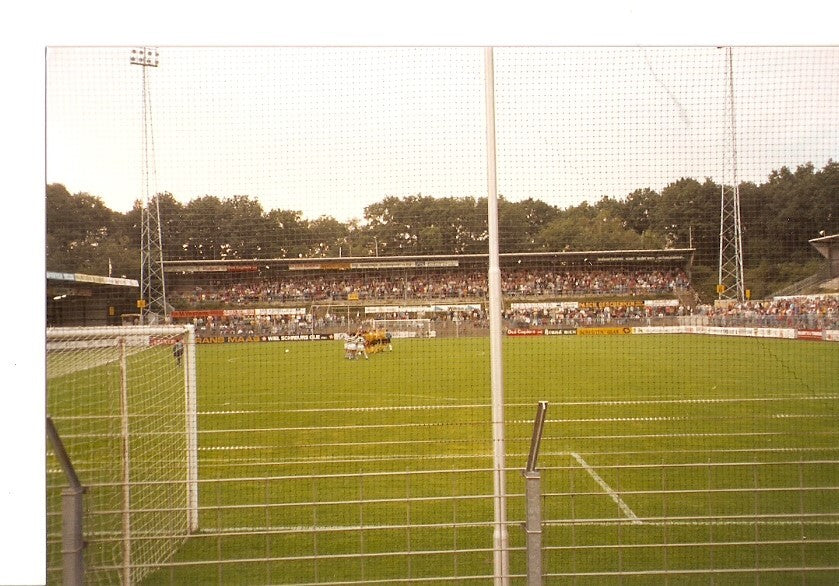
(123, 400)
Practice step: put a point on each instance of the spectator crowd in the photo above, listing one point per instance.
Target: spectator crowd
(517, 286)
(801, 313)
(431, 286)
(809, 313)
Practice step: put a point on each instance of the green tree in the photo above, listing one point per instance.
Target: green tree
(411, 224)
(639, 208)
(514, 229)
(77, 227)
(172, 227)
(204, 233)
(326, 236)
(243, 228)
(585, 227)
(286, 234)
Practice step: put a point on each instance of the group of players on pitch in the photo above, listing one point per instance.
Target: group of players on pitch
(364, 343)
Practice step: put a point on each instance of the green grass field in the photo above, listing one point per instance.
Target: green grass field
(660, 454)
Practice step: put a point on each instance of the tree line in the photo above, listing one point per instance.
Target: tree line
(779, 216)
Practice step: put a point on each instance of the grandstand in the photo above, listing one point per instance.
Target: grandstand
(828, 247)
(77, 299)
(325, 290)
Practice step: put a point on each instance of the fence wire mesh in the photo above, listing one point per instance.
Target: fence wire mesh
(324, 229)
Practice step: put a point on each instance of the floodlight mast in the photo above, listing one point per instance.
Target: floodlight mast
(152, 303)
(730, 283)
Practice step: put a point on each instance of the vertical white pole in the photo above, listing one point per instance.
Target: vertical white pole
(190, 385)
(126, 466)
(501, 555)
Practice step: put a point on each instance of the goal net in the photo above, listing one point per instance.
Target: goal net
(405, 328)
(123, 402)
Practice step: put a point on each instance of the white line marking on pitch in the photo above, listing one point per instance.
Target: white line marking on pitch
(608, 489)
(311, 528)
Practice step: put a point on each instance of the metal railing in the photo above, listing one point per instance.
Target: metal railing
(72, 539)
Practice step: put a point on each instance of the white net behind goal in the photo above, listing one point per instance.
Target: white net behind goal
(123, 402)
(405, 328)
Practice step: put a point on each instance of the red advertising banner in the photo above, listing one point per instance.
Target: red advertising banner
(190, 313)
(525, 332)
(809, 335)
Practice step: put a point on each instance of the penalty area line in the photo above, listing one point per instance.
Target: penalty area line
(608, 489)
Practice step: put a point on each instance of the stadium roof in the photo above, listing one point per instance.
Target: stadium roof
(100, 280)
(682, 254)
(828, 247)
(833, 239)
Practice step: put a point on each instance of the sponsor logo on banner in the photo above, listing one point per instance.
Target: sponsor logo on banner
(243, 339)
(391, 309)
(190, 313)
(377, 309)
(229, 339)
(545, 305)
(299, 337)
(661, 302)
(642, 258)
(281, 311)
(525, 332)
(210, 340)
(242, 269)
(438, 263)
(562, 332)
(604, 304)
(455, 307)
(809, 335)
(195, 269)
(309, 266)
(404, 264)
(661, 330)
(603, 331)
(238, 312)
(383, 265)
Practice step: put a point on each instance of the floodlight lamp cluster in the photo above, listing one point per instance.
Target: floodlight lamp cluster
(145, 56)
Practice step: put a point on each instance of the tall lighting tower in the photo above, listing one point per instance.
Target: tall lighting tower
(730, 284)
(152, 302)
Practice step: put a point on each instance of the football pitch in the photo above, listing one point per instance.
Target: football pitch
(697, 459)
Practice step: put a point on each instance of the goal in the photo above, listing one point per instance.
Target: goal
(123, 400)
(406, 328)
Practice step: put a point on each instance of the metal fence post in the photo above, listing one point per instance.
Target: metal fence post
(72, 538)
(533, 526)
(72, 541)
(533, 502)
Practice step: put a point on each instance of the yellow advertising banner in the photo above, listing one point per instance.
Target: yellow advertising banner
(603, 331)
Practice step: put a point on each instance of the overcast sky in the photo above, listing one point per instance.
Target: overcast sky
(328, 130)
